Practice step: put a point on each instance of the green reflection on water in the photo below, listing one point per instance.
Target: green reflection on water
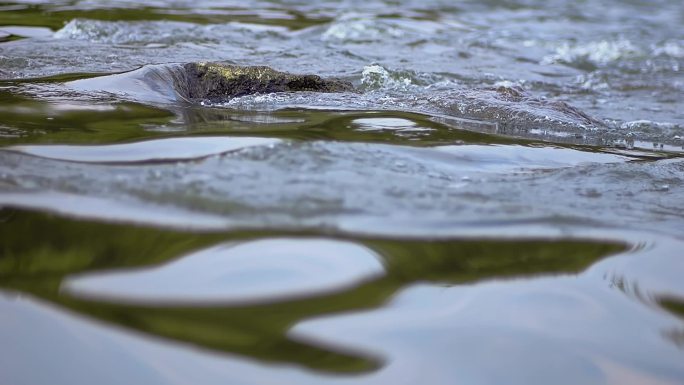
(54, 16)
(26, 120)
(339, 125)
(673, 305)
(39, 250)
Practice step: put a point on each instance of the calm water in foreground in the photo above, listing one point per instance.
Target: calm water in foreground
(501, 203)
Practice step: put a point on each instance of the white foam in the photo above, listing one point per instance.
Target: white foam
(598, 52)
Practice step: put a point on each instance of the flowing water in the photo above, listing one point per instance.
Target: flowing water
(500, 202)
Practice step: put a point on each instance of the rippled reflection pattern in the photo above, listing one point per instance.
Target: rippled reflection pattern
(496, 198)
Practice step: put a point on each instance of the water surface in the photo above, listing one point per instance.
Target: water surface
(500, 202)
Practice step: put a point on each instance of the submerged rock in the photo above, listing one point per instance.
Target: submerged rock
(218, 82)
(506, 110)
(513, 108)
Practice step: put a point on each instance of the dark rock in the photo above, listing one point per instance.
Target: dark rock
(219, 82)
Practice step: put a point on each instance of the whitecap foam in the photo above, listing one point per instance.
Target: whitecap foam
(157, 33)
(598, 53)
(359, 29)
(671, 48)
(375, 76)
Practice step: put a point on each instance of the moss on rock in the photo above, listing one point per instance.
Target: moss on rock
(219, 82)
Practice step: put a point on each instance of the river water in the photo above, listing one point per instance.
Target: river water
(499, 203)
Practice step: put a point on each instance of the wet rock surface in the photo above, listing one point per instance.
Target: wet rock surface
(219, 82)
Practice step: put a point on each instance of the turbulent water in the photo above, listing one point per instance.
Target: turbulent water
(499, 200)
